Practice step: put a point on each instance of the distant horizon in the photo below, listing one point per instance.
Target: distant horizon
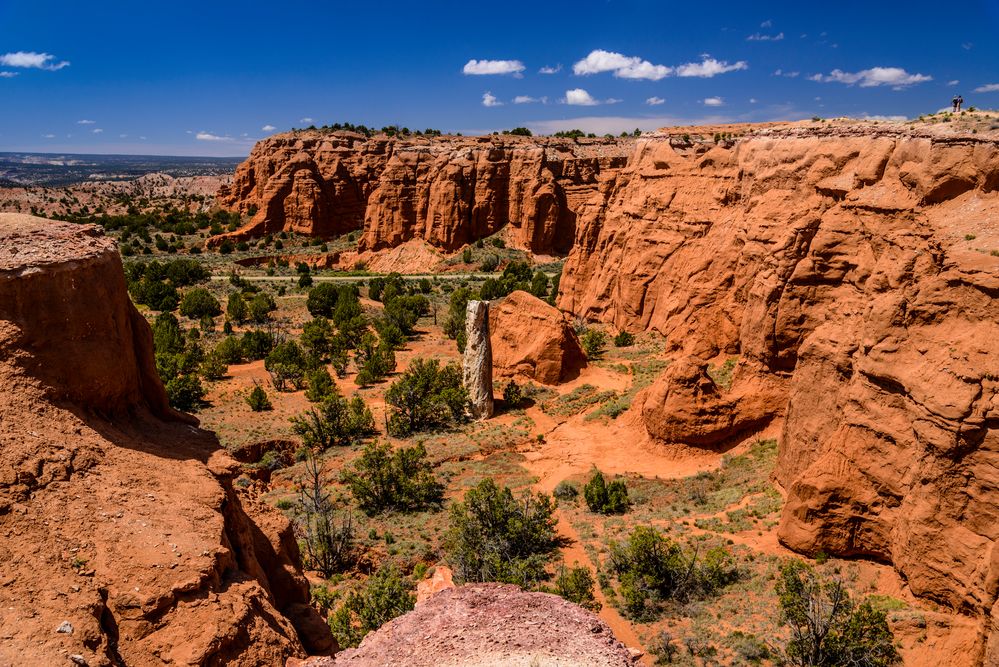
(194, 80)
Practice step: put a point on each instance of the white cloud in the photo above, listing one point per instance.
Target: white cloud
(97, 130)
(86, 122)
(967, 46)
(767, 24)
(953, 82)
(988, 88)
(143, 138)
(208, 136)
(31, 59)
(789, 75)
(709, 67)
(48, 136)
(579, 97)
(481, 67)
(547, 69)
(713, 101)
(752, 100)
(123, 136)
(7, 75)
(655, 101)
(268, 128)
(490, 100)
(896, 77)
(525, 99)
(624, 67)
(763, 37)
(307, 119)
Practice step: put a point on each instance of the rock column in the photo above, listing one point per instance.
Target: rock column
(478, 361)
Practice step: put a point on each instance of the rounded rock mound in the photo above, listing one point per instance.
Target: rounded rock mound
(66, 320)
(533, 339)
(488, 625)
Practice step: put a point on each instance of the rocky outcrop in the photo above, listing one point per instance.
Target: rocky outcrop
(119, 520)
(490, 624)
(478, 360)
(534, 340)
(854, 270)
(446, 191)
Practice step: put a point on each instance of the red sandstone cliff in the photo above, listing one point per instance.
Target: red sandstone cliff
(447, 191)
(119, 522)
(854, 269)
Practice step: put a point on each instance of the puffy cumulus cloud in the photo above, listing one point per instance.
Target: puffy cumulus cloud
(896, 77)
(655, 101)
(208, 136)
(709, 67)
(7, 75)
(31, 59)
(485, 67)
(579, 97)
(624, 67)
(490, 100)
(268, 128)
(547, 69)
(988, 88)
(713, 101)
(764, 37)
(86, 122)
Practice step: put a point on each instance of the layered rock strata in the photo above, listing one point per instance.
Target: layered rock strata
(478, 360)
(447, 191)
(853, 269)
(122, 536)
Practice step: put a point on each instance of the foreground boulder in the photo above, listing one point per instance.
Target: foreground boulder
(120, 525)
(493, 625)
(534, 340)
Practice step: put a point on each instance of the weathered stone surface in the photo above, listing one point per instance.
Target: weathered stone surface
(129, 527)
(532, 339)
(446, 191)
(851, 269)
(478, 360)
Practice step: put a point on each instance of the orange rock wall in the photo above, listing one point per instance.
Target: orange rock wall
(448, 191)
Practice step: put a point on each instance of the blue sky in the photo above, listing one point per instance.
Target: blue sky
(209, 78)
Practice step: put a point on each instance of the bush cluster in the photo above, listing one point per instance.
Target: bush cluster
(402, 480)
(606, 498)
(427, 396)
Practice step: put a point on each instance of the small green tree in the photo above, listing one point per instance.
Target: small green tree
(185, 393)
(286, 365)
(198, 303)
(319, 385)
(214, 366)
(594, 341)
(454, 322)
(427, 396)
(384, 596)
(334, 421)
(317, 337)
(605, 498)
(385, 479)
(493, 536)
(258, 400)
(256, 344)
(326, 538)
(260, 307)
(513, 394)
(827, 628)
(575, 584)
(624, 339)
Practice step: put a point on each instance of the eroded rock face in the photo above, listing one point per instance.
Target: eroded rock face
(478, 360)
(117, 515)
(446, 191)
(532, 339)
(849, 268)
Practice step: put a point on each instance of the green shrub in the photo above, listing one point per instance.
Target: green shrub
(489, 264)
(334, 421)
(319, 385)
(827, 628)
(256, 344)
(427, 396)
(402, 480)
(575, 584)
(466, 255)
(258, 400)
(286, 365)
(316, 338)
(236, 308)
(326, 538)
(260, 307)
(652, 570)
(324, 298)
(198, 303)
(374, 358)
(606, 498)
(454, 322)
(566, 491)
(493, 536)
(384, 596)
(624, 339)
(594, 341)
(513, 394)
(214, 366)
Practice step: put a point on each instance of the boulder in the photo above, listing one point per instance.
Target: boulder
(478, 360)
(534, 340)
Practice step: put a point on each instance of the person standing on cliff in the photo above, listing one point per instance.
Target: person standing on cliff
(960, 102)
(953, 104)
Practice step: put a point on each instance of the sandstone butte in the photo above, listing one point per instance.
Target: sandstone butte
(118, 516)
(851, 267)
